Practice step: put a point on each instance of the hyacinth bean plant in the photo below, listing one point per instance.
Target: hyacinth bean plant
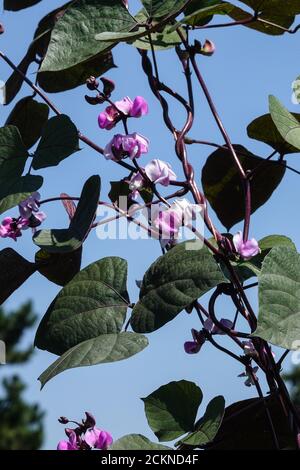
(92, 320)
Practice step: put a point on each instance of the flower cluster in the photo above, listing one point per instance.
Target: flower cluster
(29, 217)
(86, 436)
(199, 337)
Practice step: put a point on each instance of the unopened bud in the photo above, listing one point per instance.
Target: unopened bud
(63, 420)
(1, 28)
(208, 48)
(92, 83)
(93, 100)
(108, 86)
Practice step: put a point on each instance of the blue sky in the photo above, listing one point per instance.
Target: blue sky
(246, 68)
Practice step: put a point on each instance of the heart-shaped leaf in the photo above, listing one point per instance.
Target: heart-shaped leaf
(13, 153)
(94, 303)
(172, 283)
(73, 43)
(208, 425)
(71, 239)
(136, 442)
(15, 190)
(59, 140)
(14, 271)
(287, 124)
(222, 184)
(29, 116)
(172, 409)
(99, 350)
(279, 298)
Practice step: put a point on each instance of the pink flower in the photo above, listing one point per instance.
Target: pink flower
(122, 146)
(246, 249)
(135, 185)
(126, 107)
(71, 444)
(12, 228)
(98, 439)
(160, 172)
(213, 329)
(169, 221)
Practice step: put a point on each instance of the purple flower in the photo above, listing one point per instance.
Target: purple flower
(12, 228)
(169, 220)
(71, 444)
(246, 249)
(193, 347)
(250, 378)
(214, 330)
(160, 172)
(126, 107)
(98, 439)
(122, 146)
(30, 205)
(135, 185)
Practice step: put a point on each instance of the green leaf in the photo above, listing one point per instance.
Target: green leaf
(15, 190)
(99, 350)
(15, 5)
(172, 283)
(160, 40)
(59, 140)
(70, 239)
(59, 268)
(222, 184)
(287, 124)
(13, 153)
(252, 267)
(158, 8)
(14, 271)
(279, 298)
(196, 17)
(208, 425)
(172, 409)
(136, 442)
(29, 116)
(264, 130)
(274, 11)
(112, 36)
(94, 303)
(245, 426)
(73, 38)
(37, 47)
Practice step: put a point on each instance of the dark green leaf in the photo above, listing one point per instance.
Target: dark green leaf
(160, 8)
(245, 426)
(29, 116)
(94, 303)
(273, 11)
(15, 5)
(136, 442)
(59, 140)
(73, 38)
(208, 425)
(264, 130)
(14, 271)
(172, 283)
(172, 409)
(59, 268)
(287, 124)
(13, 153)
(15, 190)
(100, 350)
(70, 239)
(206, 10)
(222, 184)
(279, 298)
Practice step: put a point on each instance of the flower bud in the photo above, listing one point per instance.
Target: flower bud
(92, 83)
(108, 86)
(93, 100)
(63, 420)
(208, 48)
(1, 28)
